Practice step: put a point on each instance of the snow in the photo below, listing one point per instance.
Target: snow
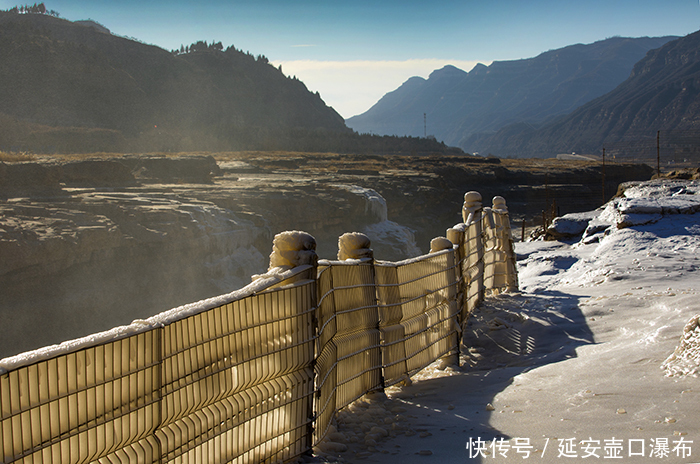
(596, 357)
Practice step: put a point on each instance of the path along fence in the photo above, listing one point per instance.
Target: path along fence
(256, 375)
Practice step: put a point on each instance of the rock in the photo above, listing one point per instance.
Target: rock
(22, 179)
(191, 169)
(332, 447)
(570, 225)
(96, 173)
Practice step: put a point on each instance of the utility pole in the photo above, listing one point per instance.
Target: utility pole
(603, 176)
(425, 126)
(658, 154)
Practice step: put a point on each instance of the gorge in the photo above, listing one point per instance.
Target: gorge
(89, 243)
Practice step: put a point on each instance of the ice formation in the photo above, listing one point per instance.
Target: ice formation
(685, 360)
(375, 203)
(439, 244)
(472, 203)
(291, 249)
(354, 245)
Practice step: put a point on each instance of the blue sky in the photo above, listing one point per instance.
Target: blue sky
(353, 52)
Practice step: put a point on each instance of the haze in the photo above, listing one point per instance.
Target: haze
(353, 52)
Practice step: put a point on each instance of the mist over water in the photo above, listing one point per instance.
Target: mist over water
(101, 259)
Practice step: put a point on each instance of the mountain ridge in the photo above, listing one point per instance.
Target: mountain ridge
(73, 87)
(662, 93)
(487, 98)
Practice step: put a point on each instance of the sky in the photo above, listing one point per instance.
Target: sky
(354, 51)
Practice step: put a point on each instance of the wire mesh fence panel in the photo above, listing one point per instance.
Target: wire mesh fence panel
(392, 331)
(237, 379)
(85, 405)
(326, 354)
(499, 258)
(349, 362)
(666, 150)
(418, 310)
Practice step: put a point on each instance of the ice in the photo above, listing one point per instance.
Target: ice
(375, 203)
(354, 245)
(390, 240)
(685, 360)
(291, 249)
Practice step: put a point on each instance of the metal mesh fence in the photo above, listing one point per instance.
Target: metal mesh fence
(349, 340)
(259, 375)
(418, 309)
(98, 402)
(665, 149)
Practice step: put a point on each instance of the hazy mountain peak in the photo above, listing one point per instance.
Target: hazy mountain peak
(448, 71)
(533, 90)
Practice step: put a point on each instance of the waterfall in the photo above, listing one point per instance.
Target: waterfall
(390, 240)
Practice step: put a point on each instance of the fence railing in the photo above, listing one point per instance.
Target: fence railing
(256, 375)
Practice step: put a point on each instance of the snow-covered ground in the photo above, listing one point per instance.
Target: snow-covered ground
(589, 362)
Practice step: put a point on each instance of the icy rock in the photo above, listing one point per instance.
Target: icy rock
(332, 447)
(594, 229)
(571, 225)
(625, 215)
(337, 437)
(685, 359)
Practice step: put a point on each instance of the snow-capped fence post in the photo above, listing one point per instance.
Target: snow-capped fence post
(473, 263)
(506, 243)
(349, 360)
(291, 249)
(452, 299)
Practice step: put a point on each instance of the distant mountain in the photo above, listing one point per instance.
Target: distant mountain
(458, 104)
(662, 93)
(66, 86)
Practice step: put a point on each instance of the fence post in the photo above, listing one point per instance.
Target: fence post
(451, 358)
(473, 268)
(506, 243)
(291, 249)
